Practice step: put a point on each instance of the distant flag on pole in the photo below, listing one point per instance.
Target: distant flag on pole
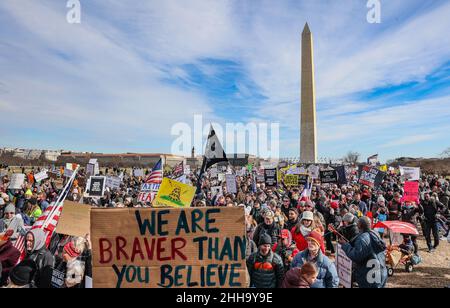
(156, 176)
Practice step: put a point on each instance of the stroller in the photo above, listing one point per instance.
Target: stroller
(397, 252)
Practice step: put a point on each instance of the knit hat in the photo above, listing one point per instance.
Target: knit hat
(10, 208)
(69, 248)
(334, 205)
(23, 273)
(269, 214)
(285, 234)
(307, 215)
(264, 239)
(316, 237)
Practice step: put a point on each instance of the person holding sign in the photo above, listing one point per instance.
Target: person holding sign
(265, 267)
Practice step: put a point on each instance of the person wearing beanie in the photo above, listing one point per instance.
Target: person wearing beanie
(302, 230)
(268, 227)
(37, 252)
(11, 221)
(349, 228)
(366, 250)
(9, 255)
(22, 275)
(69, 271)
(300, 278)
(265, 268)
(327, 276)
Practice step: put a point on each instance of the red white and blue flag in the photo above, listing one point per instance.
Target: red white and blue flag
(156, 176)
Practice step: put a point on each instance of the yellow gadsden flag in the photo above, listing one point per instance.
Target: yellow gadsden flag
(384, 168)
(174, 194)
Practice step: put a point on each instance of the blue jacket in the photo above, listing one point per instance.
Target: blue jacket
(368, 253)
(327, 277)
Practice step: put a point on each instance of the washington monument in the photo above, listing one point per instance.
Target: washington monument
(308, 133)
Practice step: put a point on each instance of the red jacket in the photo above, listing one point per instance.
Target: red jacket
(9, 256)
(301, 242)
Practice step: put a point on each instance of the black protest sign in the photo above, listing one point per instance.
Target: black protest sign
(342, 176)
(371, 176)
(303, 179)
(96, 186)
(270, 177)
(328, 176)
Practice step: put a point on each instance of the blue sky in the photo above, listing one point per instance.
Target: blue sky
(119, 80)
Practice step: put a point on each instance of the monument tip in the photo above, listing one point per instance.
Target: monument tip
(306, 29)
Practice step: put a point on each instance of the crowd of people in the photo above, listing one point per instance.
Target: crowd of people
(291, 236)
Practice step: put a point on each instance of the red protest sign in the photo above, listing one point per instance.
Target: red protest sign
(411, 191)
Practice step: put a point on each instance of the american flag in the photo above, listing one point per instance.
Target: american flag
(156, 175)
(47, 221)
(178, 170)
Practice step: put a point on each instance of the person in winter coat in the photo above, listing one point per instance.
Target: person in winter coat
(21, 276)
(367, 251)
(265, 267)
(430, 210)
(9, 256)
(349, 227)
(300, 278)
(69, 270)
(302, 231)
(11, 221)
(37, 252)
(268, 227)
(293, 219)
(327, 275)
(286, 249)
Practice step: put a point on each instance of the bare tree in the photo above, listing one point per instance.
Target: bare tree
(446, 153)
(351, 157)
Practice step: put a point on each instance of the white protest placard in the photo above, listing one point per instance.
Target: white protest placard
(138, 172)
(17, 180)
(213, 172)
(148, 192)
(231, 184)
(221, 177)
(113, 182)
(41, 176)
(3, 173)
(90, 169)
(187, 169)
(314, 171)
(410, 173)
(68, 173)
(344, 268)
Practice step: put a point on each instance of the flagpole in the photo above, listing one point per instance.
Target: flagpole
(62, 196)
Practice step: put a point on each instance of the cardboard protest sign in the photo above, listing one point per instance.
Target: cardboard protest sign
(411, 191)
(344, 268)
(96, 186)
(38, 177)
(371, 176)
(174, 194)
(342, 175)
(16, 181)
(171, 248)
(270, 177)
(291, 180)
(328, 176)
(410, 173)
(75, 219)
(231, 184)
(113, 182)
